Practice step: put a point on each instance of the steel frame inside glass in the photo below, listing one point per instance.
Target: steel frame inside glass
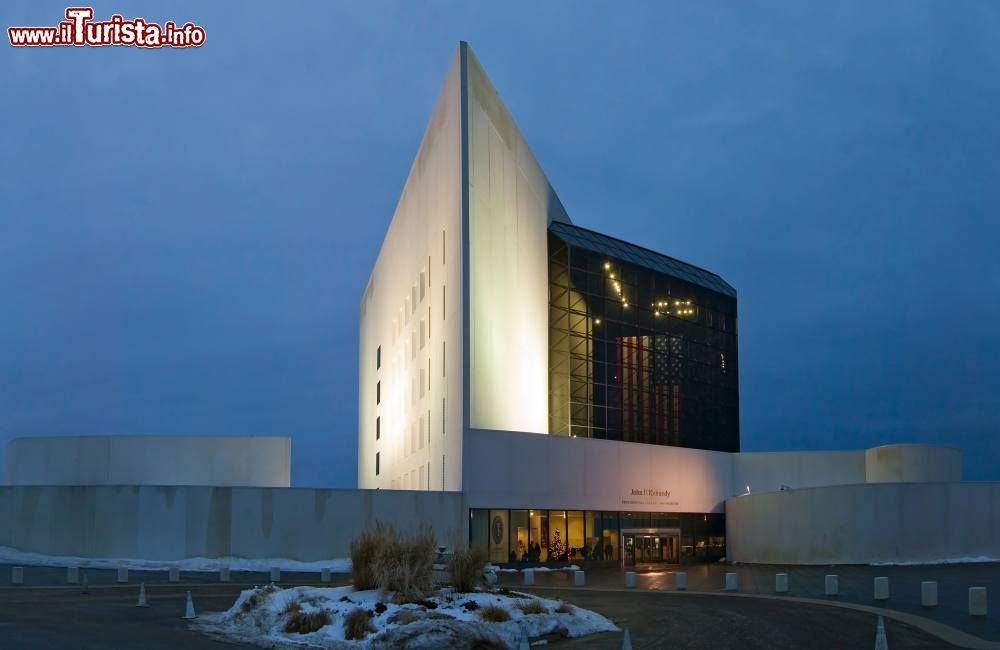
(639, 355)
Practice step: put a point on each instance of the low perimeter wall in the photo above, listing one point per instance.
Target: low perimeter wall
(255, 461)
(861, 524)
(172, 523)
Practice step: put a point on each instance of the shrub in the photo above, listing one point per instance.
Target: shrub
(531, 607)
(404, 617)
(292, 608)
(365, 548)
(564, 608)
(380, 608)
(257, 597)
(382, 558)
(357, 624)
(306, 622)
(494, 614)
(470, 605)
(466, 569)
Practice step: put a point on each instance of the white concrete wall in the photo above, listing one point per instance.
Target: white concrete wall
(171, 523)
(149, 460)
(413, 309)
(859, 524)
(912, 463)
(767, 471)
(506, 469)
(510, 206)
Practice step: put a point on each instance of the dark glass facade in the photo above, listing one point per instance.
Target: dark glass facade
(533, 536)
(642, 347)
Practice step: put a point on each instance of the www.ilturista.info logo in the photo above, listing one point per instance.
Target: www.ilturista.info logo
(79, 30)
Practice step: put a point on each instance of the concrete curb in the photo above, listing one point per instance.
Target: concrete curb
(942, 631)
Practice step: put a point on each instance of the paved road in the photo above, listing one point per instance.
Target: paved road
(856, 586)
(671, 620)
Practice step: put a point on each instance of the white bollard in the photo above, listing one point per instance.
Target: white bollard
(275, 574)
(680, 581)
(529, 576)
(174, 575)
(17, 575)
(730, 583)
(626, 641)
(781, 583)
(928, 593)
(630, 579)
(189, 608)
(882, 588)
(977, 601)
(831, 585)
(491, 579)
(142, 596)
(324, 575)
(122, 574)
(72, 575)
(224, 574)
(579, 579)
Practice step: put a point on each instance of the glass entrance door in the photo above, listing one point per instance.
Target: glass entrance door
(649, 548)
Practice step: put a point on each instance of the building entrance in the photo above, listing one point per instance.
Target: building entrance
(649, 547)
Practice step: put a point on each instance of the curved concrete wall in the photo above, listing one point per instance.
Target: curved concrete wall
(150, 460)
(173, 523)
(869, 522)
(912, 464)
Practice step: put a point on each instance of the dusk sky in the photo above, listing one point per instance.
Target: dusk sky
(185, 235)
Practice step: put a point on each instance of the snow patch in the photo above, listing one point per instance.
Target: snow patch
(979, 559)
(262, 565)
(259, 616)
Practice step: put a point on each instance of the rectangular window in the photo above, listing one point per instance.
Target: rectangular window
(428, 322)
(378, 427)
(378, 357)
(428, 429)
(378, 392)
(442, 302)
(423, 280)
(413, 298)
(428, 275)
(428, 374)
(377, 464)
(442, 415)
(423, 333)
(442, 359)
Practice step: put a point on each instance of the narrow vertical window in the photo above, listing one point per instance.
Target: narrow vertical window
(428, 271)
(423, 333)
(442, 360)
(428, 322)
(442, 247)
(423, 280)
(378, 427)
(378, 392)
(443, 316)
(428, 374)
(443, 412)
(428, 427)
(378, 467)
(413, 299)
(378, 357)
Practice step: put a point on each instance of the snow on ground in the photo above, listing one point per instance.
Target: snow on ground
(14, 556)
(492, 568)
(259, 616)
(979, 559)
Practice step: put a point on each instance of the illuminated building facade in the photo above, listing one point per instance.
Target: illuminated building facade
(580, 392)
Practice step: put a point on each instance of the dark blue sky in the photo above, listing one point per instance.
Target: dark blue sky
(185, 235)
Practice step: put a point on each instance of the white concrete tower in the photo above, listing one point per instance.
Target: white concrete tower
(454, 320)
